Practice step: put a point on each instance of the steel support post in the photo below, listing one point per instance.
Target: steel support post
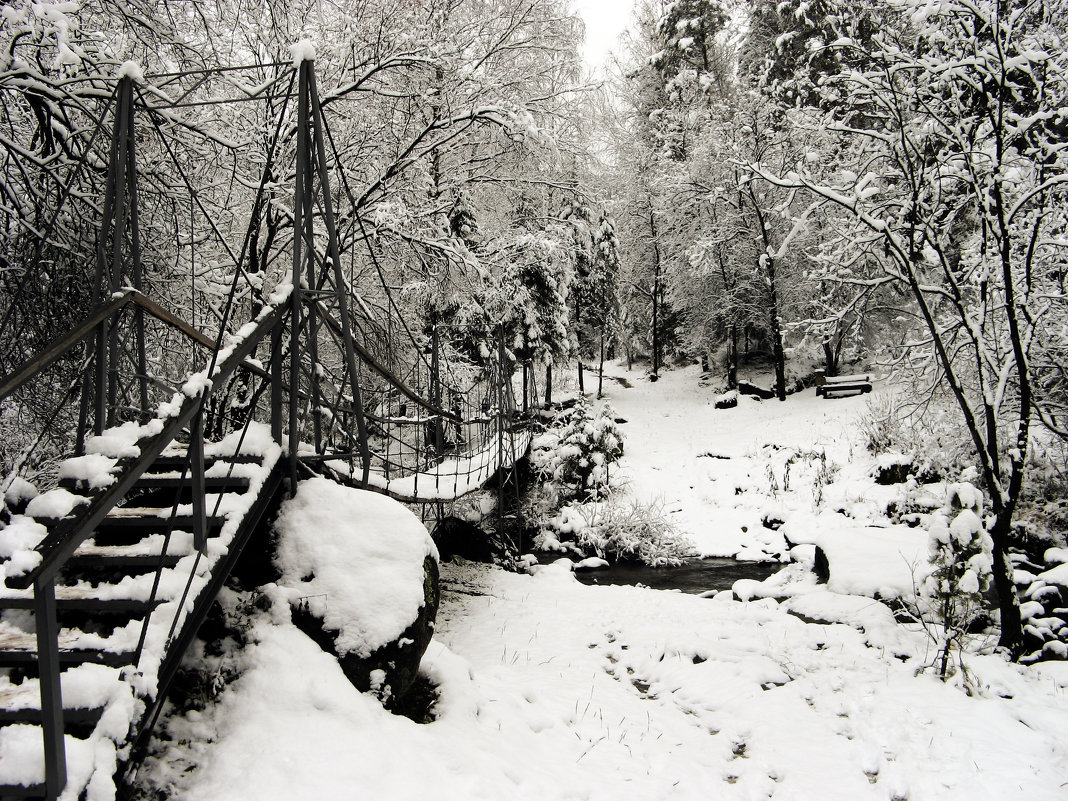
(276, 381)
(118, 239)
(500, 432)
(435, 390)
(196, 478)
(341, 287)
(135, 254)
(297, 299)
(44, 599)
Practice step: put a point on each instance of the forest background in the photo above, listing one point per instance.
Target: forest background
(790, 187)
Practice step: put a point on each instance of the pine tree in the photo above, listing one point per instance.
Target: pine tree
(603, 285)
(960, 561)
(577, 214)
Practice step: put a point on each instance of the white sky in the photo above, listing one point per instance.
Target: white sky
(605, 20)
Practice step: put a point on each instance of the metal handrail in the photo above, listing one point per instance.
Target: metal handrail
(63, 345)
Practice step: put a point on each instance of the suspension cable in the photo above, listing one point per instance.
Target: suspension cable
(367, 241)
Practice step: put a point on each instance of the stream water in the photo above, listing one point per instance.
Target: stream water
(693, 575)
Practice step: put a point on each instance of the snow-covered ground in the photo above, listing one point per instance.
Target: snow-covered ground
(720, 472)
(549, 689)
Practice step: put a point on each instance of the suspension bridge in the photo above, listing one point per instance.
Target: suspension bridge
(155, 452)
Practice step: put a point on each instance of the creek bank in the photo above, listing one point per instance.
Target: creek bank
(693, 576)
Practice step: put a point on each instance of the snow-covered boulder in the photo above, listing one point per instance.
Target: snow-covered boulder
(591, 563)
(892, 468)
(728, 400)
(1044, 609)
(877, 561)
(361, 574)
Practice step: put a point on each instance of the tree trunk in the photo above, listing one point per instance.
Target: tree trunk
(780, 362)
(776, 330)
(656, 296)
(548, 385)
(656, 323)
(582, 387)
(768, 267)
(1008, 604)
(830, 358)
(600, 371)
(732, 358)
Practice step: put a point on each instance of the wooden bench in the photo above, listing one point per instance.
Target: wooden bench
(841, 385)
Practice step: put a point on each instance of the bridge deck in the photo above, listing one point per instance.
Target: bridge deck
(451, 478)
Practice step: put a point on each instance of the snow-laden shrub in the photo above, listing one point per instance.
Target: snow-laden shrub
(952, 594)
(620, 531)
(929, 435)
(575, 455)
(882, 428)
(1044, 606)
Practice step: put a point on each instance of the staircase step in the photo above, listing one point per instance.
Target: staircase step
(120, 562)
(104, 565)
(10, 658)
(128, 529)
(156, 522)
(211, 483)
(22, 791)
(164, 490)
(103, 606)
(161, 490)
(153, 518)
(176, 461)
(79, 716)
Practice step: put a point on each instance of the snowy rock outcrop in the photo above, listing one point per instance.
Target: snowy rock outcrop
(360, 572)
(728, 400)
(1044, 606)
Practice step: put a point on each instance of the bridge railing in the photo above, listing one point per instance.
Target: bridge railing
(74, 388)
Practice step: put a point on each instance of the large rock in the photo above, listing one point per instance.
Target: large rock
(756, 391)
(389, 670)
(361, 574)
(728, 400)
(456, 537)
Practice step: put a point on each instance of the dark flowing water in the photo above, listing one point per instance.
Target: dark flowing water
(693, 575)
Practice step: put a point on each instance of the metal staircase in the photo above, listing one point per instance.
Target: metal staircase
(124, 605)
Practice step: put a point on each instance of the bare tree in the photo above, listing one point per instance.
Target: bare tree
(956, 191)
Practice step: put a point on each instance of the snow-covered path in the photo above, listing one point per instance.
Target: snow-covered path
(554, 690)
(644, 694)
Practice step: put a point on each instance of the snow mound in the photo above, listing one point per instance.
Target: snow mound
(355, 559)
(302, 51)
(867, 560)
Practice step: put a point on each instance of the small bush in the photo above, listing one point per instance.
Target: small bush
(929, 435)
(623, 532)
(952, 594)
(575, 454)
(881, 425)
